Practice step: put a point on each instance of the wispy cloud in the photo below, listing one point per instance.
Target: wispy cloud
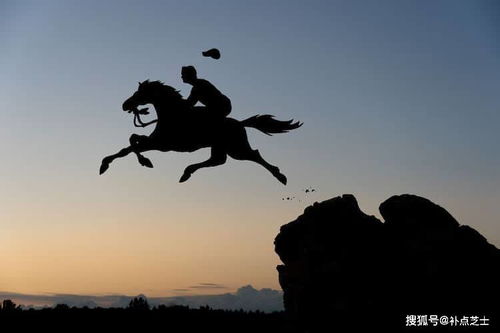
(205, 285)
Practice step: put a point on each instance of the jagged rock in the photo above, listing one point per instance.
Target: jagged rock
(340, 263)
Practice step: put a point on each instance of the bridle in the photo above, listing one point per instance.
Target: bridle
(137, 117)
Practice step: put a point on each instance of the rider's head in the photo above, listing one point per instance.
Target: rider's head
(188, 74)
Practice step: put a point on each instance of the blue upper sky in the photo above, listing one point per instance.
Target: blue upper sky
(395, 96)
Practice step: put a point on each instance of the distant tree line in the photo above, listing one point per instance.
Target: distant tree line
(140, 315)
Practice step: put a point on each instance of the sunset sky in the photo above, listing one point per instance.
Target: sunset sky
(396, 97)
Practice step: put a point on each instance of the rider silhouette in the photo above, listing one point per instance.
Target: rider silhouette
(217, 104)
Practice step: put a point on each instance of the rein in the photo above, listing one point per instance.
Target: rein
(137, 118)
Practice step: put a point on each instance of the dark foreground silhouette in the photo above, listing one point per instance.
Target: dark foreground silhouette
(183, 128)
(140, 317)
(347, 271)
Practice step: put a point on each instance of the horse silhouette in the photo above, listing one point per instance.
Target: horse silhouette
(182, 128)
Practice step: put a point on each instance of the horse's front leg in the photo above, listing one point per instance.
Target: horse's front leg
(108, 159)
(138, 143)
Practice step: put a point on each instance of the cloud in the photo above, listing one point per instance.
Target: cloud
(209, 284)
(247, 298)
(205, 285)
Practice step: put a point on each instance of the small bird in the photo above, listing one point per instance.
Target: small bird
(212, 53)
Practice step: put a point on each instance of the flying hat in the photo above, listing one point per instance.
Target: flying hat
(212, 53)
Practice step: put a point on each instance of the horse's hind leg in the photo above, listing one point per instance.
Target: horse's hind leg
(247, 153)
(217, 157)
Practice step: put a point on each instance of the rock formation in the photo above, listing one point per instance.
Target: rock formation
(343, 268)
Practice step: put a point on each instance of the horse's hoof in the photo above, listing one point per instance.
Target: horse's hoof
(103, 168)
(146, 162)
(184, 177)
(282, 178)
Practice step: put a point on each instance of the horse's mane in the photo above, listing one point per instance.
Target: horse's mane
(161, 87)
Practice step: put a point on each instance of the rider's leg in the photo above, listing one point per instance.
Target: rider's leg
(220, 110)
(217, 157)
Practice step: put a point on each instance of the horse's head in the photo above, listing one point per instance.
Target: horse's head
(150, 92)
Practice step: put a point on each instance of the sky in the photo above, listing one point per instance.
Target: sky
(395, 96)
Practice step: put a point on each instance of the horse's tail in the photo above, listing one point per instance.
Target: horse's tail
(268, 125)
